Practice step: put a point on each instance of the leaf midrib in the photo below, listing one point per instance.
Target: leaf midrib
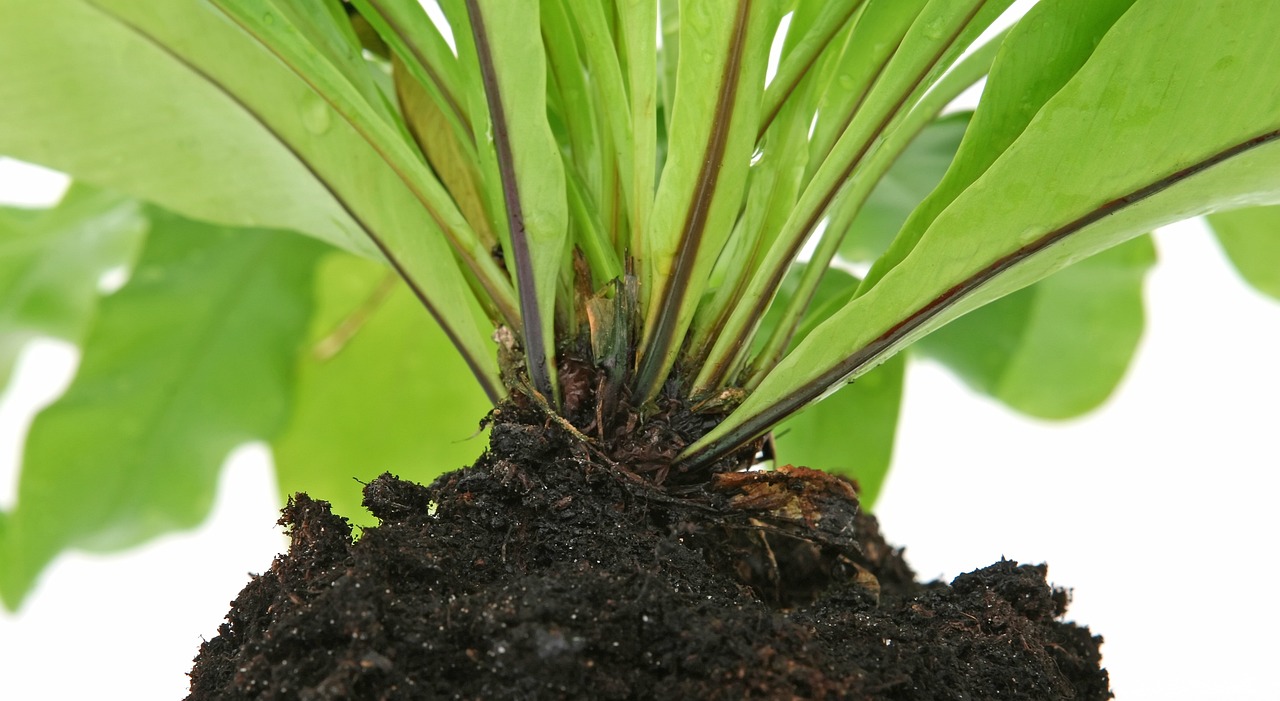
(872, 350)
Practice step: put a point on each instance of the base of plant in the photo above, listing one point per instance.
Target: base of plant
(542, 572)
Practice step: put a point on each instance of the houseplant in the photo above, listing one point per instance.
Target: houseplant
(1046, 75)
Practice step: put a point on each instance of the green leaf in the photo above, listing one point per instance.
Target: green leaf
(514, 69)
(1251, 239)
(852, 432)
(51, 262)
(911, 178)
(1050, 45)
(638, 19)
(341, 94)
(157, 131)
(379, 389)
(1183, 118)
(196, 115)
(931, 43)
(1058, 348)
(832, 292)
(717, 106)
(189, 359)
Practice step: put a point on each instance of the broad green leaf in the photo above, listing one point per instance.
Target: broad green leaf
(51, 263)
(1058, 348)
(936, 37)
(379, 388)
(610, 97)
(851, 433)
(579, 109)
(1050, 45)
(773, 183)
(514, 69)
(423, 260)
(717, 105)
(192, 357)
(1174, 115)
(866, 49)
(668, 59)
(193, 113)
(85, 94)
(1251, 239)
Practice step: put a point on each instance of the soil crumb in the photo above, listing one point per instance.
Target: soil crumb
(544, 572)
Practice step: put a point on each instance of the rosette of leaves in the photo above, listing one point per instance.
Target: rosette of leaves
(499, 199)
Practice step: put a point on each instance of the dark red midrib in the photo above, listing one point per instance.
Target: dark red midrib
(814, 388)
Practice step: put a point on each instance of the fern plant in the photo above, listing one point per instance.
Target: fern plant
(615, 213)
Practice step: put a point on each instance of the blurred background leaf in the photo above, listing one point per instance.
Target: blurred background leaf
(379, 388)
(1058, 348)
(1251, 239)
(52, 263)
(192, 357)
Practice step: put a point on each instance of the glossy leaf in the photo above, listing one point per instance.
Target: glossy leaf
(717, 104)
(1058, 348)
(379, 388)
(932, 42)
(640, 51)
(188, 360)
(1251, 239)
(1192, 124)
(1050, 45)
(513, 67)
(850, 433)
(196, 115)
(338, 94)
(52, 262)
(158, 131)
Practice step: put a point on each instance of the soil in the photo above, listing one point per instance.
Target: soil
(547, 571)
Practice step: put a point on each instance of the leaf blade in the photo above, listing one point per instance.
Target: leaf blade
(1251, 239)
(1205, 157)
(377, 390)
(187, 361)
(51, 262)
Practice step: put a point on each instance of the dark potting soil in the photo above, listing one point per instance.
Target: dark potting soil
(546, 572)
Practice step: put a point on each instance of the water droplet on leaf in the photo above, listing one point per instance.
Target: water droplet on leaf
(316, 116)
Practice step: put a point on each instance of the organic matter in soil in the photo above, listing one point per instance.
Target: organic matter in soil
(546, 571)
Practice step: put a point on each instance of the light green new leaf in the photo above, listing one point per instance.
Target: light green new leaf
(1251, 239)
(852, 432)
(86, 95)
(51, 262)
(1058, 348)
(1175, 114)
(191, 358)
(379, 388)
(638, 19)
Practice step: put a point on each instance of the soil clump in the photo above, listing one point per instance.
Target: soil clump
(546, 571)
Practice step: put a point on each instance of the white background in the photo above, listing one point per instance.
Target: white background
(1157, 510)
